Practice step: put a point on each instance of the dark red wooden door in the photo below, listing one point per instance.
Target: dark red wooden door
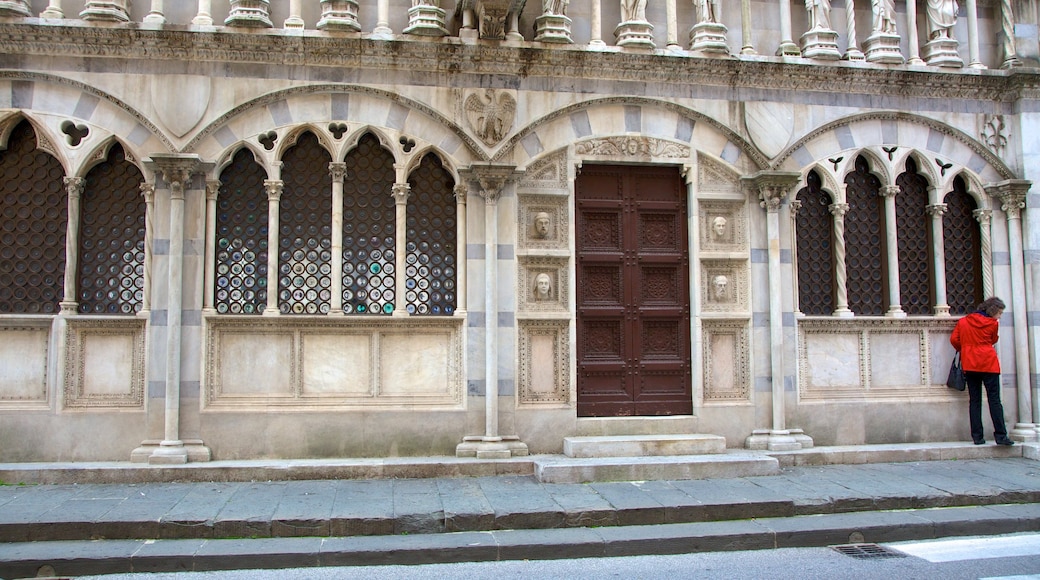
(633, 299)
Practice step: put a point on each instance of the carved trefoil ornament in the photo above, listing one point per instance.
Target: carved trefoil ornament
(994, 134)
(490, 113)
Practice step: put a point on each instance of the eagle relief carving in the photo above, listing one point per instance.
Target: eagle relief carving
(490, 114)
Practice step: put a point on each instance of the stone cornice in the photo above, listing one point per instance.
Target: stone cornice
(528, 60)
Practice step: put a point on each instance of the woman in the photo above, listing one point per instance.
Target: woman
(974, 337)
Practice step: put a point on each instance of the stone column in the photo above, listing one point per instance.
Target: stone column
(53, 10)
(383, 18)
(1007, 34)
(74, 190)
(461, 304)
(912, 41)
(204, 17)
(772, 189)
(787, 46)
(852, 51)
(895, 309)
(983, 216)
(338, 170)
(596, 25)
(745, 28)
(493, 179)
(841, 290)
(14, 8)
(148, 191)
(672, 30)
(295, 19)
(156, 15)
(274, 189)
(1012, 196)
(212, 189)
(794, 206)
(401, 191)
(973, 36)
(939, 256)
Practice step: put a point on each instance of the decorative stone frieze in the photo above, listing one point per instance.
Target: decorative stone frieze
(630, 146)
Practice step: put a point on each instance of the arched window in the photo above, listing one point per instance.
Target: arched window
(241, 244)
(33, 222)
(915, 242)
(369, 220)
(815, 249)
(864, 241)
(305, 231)
(961, 243)
(431, 239)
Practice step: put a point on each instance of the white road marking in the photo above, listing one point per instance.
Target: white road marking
(974, 548)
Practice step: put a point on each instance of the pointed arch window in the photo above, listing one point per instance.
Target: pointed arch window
(241, 245)
(815, 249)
(915, 242)
(962, 248)
(864, 241)
(369, 224)
(432, 225)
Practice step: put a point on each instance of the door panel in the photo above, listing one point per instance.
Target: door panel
(633, 303)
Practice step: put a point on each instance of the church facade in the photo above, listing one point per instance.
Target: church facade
(238, 229)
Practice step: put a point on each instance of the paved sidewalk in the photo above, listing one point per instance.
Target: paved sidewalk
(226, 525)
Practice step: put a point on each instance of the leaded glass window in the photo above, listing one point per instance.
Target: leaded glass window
(241, 244)
(913, 231)
(815, 251)
(864, 235)
(33, 221)
(431, 240)
(369, 219)
(111, 239)
(305, 231)
(961, 243)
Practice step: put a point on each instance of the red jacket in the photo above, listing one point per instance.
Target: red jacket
(974, 337)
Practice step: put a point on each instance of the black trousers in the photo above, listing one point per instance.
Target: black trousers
(974, 381)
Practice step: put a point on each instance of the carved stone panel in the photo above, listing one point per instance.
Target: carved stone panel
(544, 362)
(542, 284)
(723, 226)
(714, 177)
(544, 222)
(724, 286)
(727, 361)
(23, 364)
(104, 364)
(549, 172)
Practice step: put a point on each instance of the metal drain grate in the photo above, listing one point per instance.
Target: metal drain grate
(865, 551)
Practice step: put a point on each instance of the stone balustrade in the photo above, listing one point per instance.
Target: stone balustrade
(938, 33)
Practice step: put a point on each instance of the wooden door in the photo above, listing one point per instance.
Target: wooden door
(633, 298)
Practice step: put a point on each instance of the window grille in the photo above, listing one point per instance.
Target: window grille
(913, 230)
(431, 240)
(369, 220)
(961, 243)
(305, 231)
(815, 252)
(241, 244)
(864, 239)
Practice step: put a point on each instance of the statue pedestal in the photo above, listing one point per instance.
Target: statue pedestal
(635, 34)
(339, 15)
(709, 38)
(554, 28)
(882, 48)
(14, 8)
(820, 44)
(942, 52)
(426, 20)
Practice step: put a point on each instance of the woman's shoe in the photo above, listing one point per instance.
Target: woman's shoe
(1005, 441)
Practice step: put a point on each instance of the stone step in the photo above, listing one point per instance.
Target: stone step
(643, 445)
(680, 467)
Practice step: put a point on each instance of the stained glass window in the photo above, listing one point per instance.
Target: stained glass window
(241, 244)
(430, 285)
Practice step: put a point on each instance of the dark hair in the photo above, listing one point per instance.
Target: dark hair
(991, 305)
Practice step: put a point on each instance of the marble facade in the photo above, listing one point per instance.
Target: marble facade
(513, 100)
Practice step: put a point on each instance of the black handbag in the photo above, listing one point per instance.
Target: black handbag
(956, 378)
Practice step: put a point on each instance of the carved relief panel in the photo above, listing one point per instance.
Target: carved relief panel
(724, 286)
(727, 361)
(544, 222)
(543, 284)
(104, 364)
(544, 362)
(723, 226)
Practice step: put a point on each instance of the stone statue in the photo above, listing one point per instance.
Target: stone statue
(542, 287)
(942, 16)
(555, 7)
(819, 14)
(884, 16)
(718, 228)
(633, 10)
(718, 287)
(707, 10)
(541, 225)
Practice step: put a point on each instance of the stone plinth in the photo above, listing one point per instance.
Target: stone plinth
(425, 20)
(883, 48)
(820, 44)
(643, 445)
(709, 38)
(942, 52)
(491, 447)
(655, 468)
(553, 28)
(340, 15)
(635, 34)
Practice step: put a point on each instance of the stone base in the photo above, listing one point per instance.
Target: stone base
(491, 447)
(820, 44)
(553, 28)
(783, 440)
(883, 48)
(726, 465)
(709, 38)
(155, 453)
(788, 49)
(1024, 432)
(942, 52)
(635, 34)
(643, 445)
(425, 20)
(100, 10)
(14, 8)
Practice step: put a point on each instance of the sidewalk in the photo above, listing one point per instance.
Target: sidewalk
(177, 526)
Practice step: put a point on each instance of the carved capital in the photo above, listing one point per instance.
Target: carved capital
(888, 190)
(771, 187)
(148, 191)
(74, 186)
(838, 209)
(461, 191)
(401, 191)
(983, 216)
(177, 170)
(492, 180)
(936, 209)
(212, 188)
(274, 188)
(338, 171)
(1012, 196)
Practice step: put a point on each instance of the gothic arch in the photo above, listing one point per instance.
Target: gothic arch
(293, 135)
(44, 139)
(926, 167)
(225, 158)
(100, 153)
(828, 179)
(417, 155)
(879, 166)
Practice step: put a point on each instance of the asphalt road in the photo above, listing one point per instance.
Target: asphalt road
(1006, 557)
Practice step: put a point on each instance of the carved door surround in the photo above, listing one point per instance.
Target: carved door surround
(633, 299)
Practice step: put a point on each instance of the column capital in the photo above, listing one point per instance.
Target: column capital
(401, 191)
(838, 209)
(461, 192)
(1012, 195)
(212, 188)
(274, 188)
(936, 209)
(177, 170)
(983, 216)
(492, 179)
(338, 170)
(74, 186)
(771, 187)
(889, 190)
